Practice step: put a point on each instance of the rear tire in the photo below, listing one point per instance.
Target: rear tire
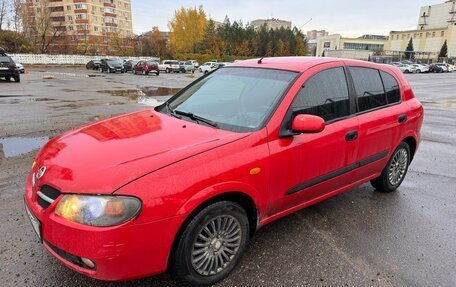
(395, 170)
(211, 245)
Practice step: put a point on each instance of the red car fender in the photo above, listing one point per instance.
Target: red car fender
(220, 189)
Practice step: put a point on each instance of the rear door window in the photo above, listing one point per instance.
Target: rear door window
(324, 95)
(368, 87)
(393, 93)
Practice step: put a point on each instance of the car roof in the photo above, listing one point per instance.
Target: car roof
(298, 64)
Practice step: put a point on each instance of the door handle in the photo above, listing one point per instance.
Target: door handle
(402, 118)
(351, 136)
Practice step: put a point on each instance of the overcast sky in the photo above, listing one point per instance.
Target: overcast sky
(346, 17)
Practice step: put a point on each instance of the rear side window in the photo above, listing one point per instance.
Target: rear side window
(368, 88)
(324, 95)
(393, 93)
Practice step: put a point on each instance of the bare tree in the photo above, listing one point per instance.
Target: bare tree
(3, 13)
(43, 26)
(16, 14)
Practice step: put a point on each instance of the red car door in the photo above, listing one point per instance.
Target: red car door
(381, 118)
(306, 168)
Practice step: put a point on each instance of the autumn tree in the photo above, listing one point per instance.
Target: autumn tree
(187, 29)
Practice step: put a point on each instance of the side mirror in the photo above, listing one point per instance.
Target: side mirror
(308, 124)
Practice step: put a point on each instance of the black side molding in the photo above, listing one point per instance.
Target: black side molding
(337, 172)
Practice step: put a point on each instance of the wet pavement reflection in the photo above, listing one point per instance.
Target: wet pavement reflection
(150, 96)
(16, 146)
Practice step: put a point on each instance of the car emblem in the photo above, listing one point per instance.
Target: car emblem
(40, 172)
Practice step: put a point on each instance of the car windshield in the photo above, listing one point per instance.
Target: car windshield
(174, 62)
(151, 63)
(114, 62)
(236, 99)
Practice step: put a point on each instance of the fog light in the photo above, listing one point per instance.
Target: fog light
(89, 263)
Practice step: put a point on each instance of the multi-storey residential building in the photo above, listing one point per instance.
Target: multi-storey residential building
(69, 25)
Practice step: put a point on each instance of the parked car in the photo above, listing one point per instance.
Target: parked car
(93, 65)
(396, 64)
(129, 65)
(420, 68)
(112, 66)
(170, 66)
(8, 68)
(186, 66)
(185, 185)
(146, 67)
(436, 69)
(209, 67)
(19, 66)
(195, 63)
(446, 67)
(407, 68)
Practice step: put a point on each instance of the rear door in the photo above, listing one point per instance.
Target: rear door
(380, 116)
(306, 167)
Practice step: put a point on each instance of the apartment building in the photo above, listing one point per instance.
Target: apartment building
(80, 23)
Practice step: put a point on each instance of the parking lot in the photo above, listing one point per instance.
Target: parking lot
(360, 238)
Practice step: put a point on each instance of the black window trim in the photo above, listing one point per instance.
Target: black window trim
(285, 129)
(358, 112)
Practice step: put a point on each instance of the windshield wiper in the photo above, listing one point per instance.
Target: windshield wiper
(196, 118)
(171, 111)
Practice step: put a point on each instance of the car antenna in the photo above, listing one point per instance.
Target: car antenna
(260, 61)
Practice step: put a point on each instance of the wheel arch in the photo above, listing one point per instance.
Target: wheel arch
(243, 199)
(412, 142)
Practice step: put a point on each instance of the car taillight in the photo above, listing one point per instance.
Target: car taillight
(13, 65)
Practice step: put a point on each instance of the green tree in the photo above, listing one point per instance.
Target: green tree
(409, 50)
(444, 50)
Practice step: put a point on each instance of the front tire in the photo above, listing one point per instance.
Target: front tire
(212, 244)
(394, 172)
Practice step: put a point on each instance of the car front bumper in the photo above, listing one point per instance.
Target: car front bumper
(128, 251)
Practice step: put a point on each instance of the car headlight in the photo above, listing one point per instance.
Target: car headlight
(98, 210)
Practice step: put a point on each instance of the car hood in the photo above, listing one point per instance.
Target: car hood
(102, 157)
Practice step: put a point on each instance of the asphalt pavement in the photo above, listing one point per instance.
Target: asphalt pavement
(359, 238)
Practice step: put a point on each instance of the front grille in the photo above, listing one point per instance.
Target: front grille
(47, 195)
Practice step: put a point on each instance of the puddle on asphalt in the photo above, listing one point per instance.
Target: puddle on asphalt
(16, 146)
(444, 104)
(150, 96)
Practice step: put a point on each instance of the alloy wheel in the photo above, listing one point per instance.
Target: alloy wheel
(216, 245)
(398, 167)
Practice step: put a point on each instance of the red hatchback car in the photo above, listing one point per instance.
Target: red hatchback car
(146, 67)
(182, 187)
